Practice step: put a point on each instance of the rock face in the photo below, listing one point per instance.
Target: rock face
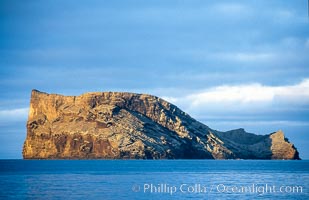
(116, 125)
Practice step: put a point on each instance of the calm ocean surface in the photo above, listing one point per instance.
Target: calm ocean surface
(153, 179)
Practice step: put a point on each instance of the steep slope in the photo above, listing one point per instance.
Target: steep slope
(118, 125)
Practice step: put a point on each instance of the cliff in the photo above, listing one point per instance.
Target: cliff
(118, 125)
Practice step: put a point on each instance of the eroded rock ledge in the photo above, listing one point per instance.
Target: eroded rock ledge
(119, 125)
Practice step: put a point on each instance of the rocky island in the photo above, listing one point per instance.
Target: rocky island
(120, 125)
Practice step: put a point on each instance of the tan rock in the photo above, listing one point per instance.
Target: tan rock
(119, 125)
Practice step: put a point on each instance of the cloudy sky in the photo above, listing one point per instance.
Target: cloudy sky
(229, 64)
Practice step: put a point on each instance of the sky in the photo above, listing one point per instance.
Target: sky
(229, 64)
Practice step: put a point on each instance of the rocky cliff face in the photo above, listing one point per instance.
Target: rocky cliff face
(116, 125)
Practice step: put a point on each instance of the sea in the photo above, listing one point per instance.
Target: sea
(154, 179)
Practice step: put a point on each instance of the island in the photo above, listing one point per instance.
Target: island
(122, 125)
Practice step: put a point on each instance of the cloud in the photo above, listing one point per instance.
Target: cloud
(244, 98)
(307, 43)
(261, 123)
(239, 94)
(245, 56)
(288, 15)
(283, 15)
(17, 114)
(231, 8)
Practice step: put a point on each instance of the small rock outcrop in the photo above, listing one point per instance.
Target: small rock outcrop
(119, 125)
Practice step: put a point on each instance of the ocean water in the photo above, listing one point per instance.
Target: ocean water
(154, 179)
